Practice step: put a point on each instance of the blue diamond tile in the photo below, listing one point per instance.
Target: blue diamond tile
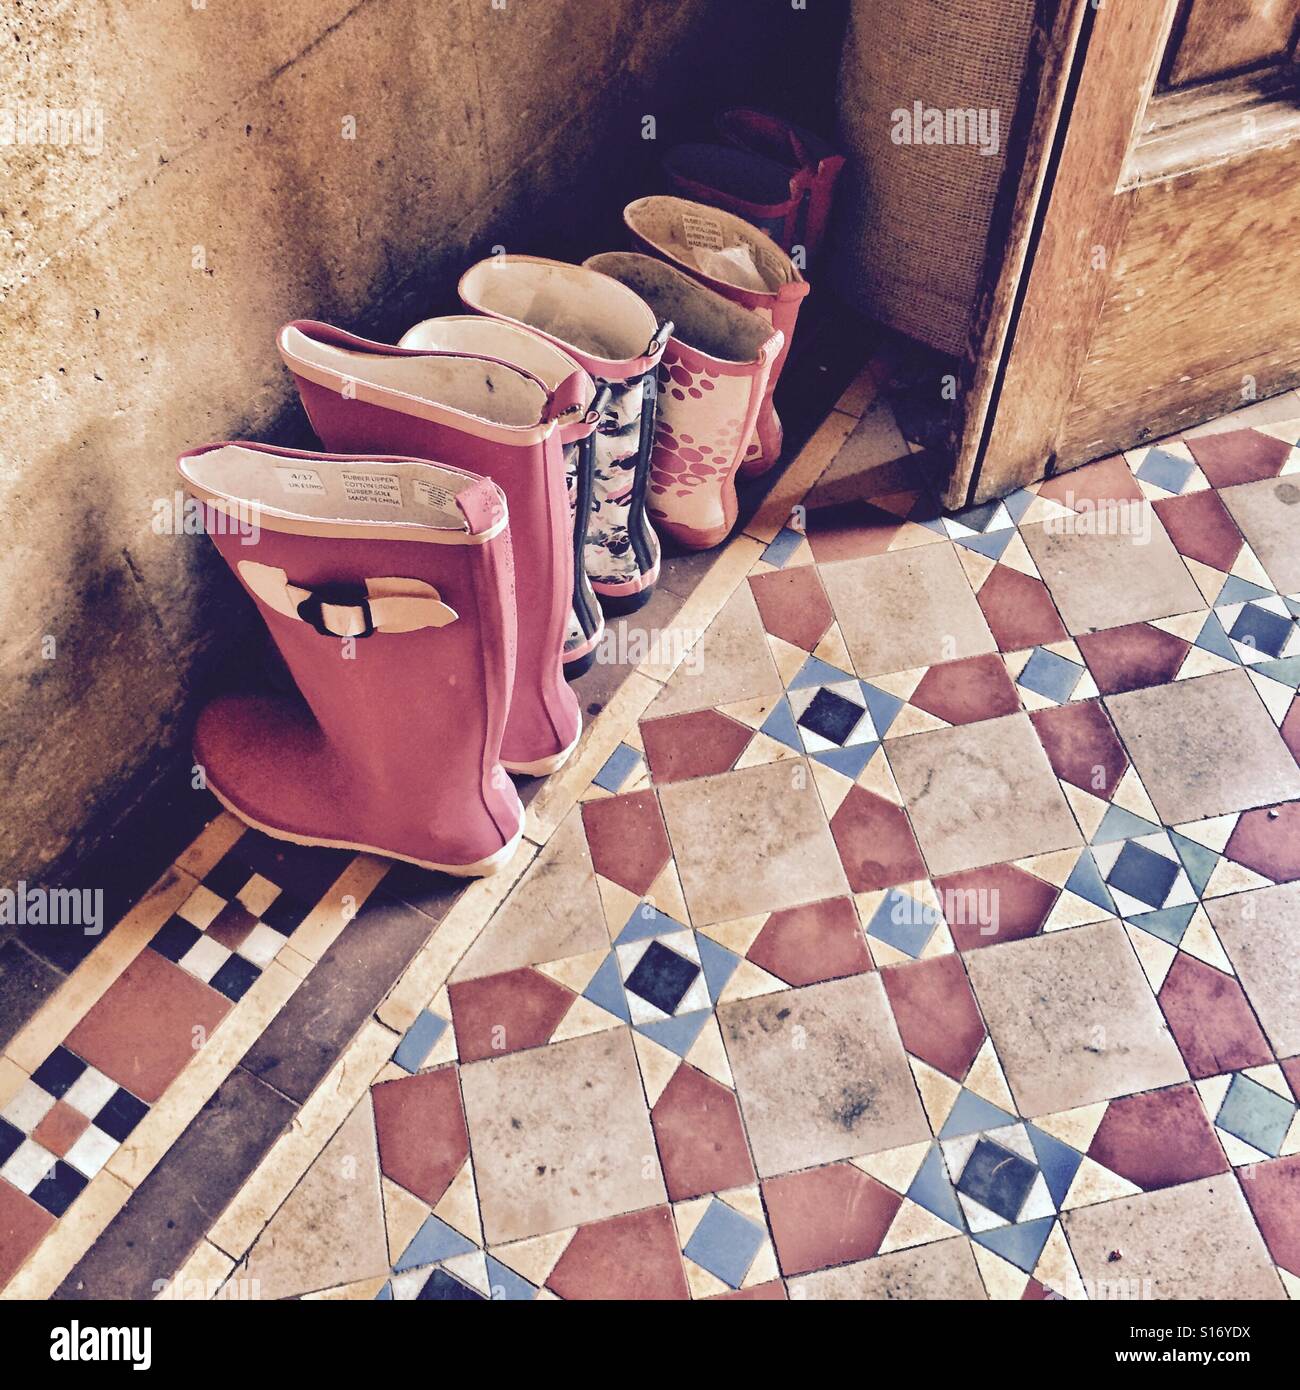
(1143, 874)
(1255, 1114)
(1057, 1162)
(1198, 860)
(619, 766)
(419, 1041)
(724, 1243)
(1050, 675)
(903, 922)
(1169, 923)
(605, 988)
(1019, 1245)
(434, 1241)
(1086, 880)
(850, 761)
(971, 1114)
(932, 1190)
(882, 706)
(1165, 470)
(719, 964)
(1212, 638)
(647, 921)
(506, 1285)
(815, 671)
(676, 1034)
(782, 547)
(780, 725)
(1119, 824)
(1237, 590)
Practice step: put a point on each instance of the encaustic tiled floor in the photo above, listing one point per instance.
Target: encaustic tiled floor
(930, 930)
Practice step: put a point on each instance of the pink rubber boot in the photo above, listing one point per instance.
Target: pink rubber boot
(711, 384)
(737, 261)
(487, 417)
(616, 337)
(575, 407)
(385, 583)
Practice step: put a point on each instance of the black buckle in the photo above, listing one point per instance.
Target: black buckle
(310, 610)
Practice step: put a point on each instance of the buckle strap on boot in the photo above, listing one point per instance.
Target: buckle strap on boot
(350, 610)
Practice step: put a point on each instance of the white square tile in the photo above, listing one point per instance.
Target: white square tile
(29, 1107)
(89, 1154)
(261, 945)
(91, 1091)
(204, 958)
(28, 1164)
(258, 894)
(201, 907)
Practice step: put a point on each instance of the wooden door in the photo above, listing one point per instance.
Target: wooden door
(1144, 272)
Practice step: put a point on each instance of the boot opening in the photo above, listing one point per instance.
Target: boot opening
(701, 319)
(584, 311)
(331, 491)
(493, 338)
(716, 243)
(490, 391)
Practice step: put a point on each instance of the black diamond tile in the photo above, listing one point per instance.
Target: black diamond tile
(831, 716)
(441, 1287)
(229, 874)
(10, 1138)
(120, 1114)
(286, 913)
(997, 1179)
(662, 977)
(1257, 627)
(1143, 875)
(58, 1071)
(235, 978)
(57, 1190)
(174, 938)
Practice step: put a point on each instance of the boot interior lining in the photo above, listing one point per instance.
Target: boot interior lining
(701, 318)
(714, 242)
(493, 338)
(319, 489)
(586, 311)
(488, 391)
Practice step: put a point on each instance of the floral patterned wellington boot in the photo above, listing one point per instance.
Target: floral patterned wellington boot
(711, 384)
(615, 336)
(578, 407)
(737, 261)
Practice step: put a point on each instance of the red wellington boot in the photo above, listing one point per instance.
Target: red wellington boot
(386, 585)
(736, 260)
(489, 418)
(574, 404)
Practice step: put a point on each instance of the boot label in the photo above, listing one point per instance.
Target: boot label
(384, 488)
(701, 233)
(441, 499)
(300, 480)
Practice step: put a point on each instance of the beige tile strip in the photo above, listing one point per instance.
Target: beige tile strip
(859, 393)
(199, 1278)
(794, 483)
(323, 925)
(292, 1154)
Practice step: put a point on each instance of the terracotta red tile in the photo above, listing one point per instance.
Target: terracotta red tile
(1038, 1293)
(827, 1216)
(627, 838)
(23, 1225)
(1291, 1070)
(850, 530)
(61, 1128)
(1000, 903)
(631, 1257)
(1019, 610)
(699, 744)
(231, 926)
(702, 1145)
(875, 842)
(1238, 456)
(1201, 528)
(815, 942)
(1211, 1021)
(771, 1292)
(960, 692)
(793, 605)
(1082, 746)
(507, 1012)
(1273, 1191)
(1132, 657)
(1107, 480)
(1290, 729)
(143, 1029)
(936, 1012)
(1268, 841)
(1158, 1139)
(420, 1125)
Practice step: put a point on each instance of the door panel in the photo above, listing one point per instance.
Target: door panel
(1214, 38)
